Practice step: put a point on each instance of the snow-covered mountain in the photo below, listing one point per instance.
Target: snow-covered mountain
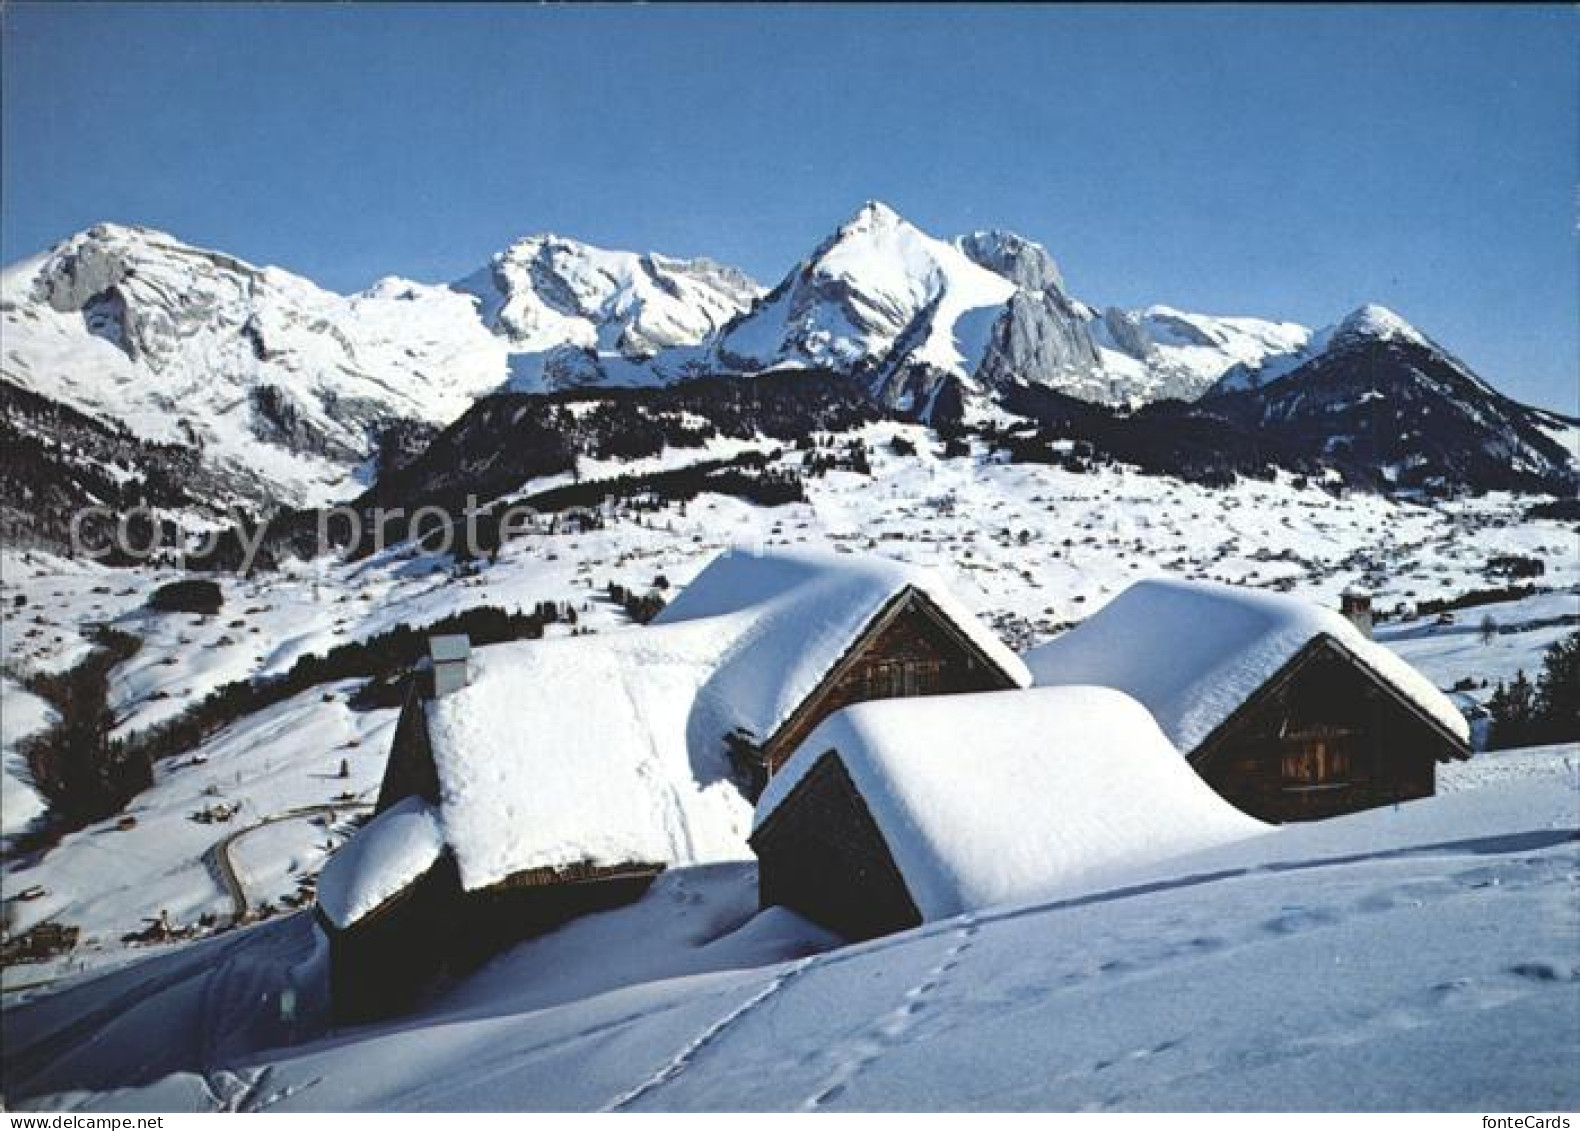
(573, 314)
(284, 390)
(1374, 391)
(284, 387)
(270, 376)
(878, 299)
(1371, 322)
(1160, 353)
(885, 301)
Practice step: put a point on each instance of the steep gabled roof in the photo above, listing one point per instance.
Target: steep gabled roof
(791, 616)
(610, 749)
(1008, 797)
(1194, 652)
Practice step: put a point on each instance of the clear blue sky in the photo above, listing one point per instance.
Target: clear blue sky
(1279, 162)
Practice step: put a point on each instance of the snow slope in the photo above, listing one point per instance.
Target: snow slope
(1418, 958)
(280, 765)
(22, 715)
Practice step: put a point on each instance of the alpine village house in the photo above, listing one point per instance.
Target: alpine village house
(532, 782)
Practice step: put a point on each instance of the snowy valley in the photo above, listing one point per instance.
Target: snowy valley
(1032, 548)
(945, 403)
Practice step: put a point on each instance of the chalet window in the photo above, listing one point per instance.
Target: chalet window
(1316, 757)
(894, 679)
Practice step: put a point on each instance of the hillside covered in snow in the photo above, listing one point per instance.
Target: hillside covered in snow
(1419, 958)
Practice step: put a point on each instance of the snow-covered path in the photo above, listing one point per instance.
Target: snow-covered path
(1425, 957)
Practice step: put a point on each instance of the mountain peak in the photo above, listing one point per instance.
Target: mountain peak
(871, 215)
(1377, 323)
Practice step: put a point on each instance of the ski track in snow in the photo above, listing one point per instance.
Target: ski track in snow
(709, 1036)
(892, 1029)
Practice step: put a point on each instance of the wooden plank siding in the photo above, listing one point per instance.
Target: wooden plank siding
(910, 648)
(1324, 736)
(820, 853)
(535, 902)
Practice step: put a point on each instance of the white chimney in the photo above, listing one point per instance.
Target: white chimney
(451, 660)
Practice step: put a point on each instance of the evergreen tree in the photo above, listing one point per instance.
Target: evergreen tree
(1557, 706)
(1519, 712)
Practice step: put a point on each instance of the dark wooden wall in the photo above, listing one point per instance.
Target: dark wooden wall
(910, 652)
(529, 905)
(382, 964)
(1328, 739)
(821, 854)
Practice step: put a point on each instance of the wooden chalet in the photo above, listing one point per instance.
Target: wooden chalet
(893, 814)
(1288, 710)
(566, 774)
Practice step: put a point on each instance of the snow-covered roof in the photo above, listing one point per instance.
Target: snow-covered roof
(387, 855)
(610, 749)
(577, 750)
(1193, 652)
(789, 617)
(1014, 796)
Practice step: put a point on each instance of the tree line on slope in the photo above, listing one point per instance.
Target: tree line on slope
(1546, 711)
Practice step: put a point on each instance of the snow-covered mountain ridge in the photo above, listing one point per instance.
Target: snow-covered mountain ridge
(285, 389)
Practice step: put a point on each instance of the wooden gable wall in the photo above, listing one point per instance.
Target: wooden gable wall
(821, 854)
(910, 649)
(1324, 737)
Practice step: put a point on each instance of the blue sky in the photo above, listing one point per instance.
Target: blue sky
(1290, 162)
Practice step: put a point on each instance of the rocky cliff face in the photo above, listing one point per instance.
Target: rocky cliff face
(913, 316)
(1041, 336)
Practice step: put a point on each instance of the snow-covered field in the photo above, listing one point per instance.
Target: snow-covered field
(1112, 1002)
(1422, 957)
(1032, 548)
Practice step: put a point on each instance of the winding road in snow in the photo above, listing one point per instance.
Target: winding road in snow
(220, 862)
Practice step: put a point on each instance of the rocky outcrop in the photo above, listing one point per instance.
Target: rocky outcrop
(1129, 333)
(1023, 262)
(547, 291)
